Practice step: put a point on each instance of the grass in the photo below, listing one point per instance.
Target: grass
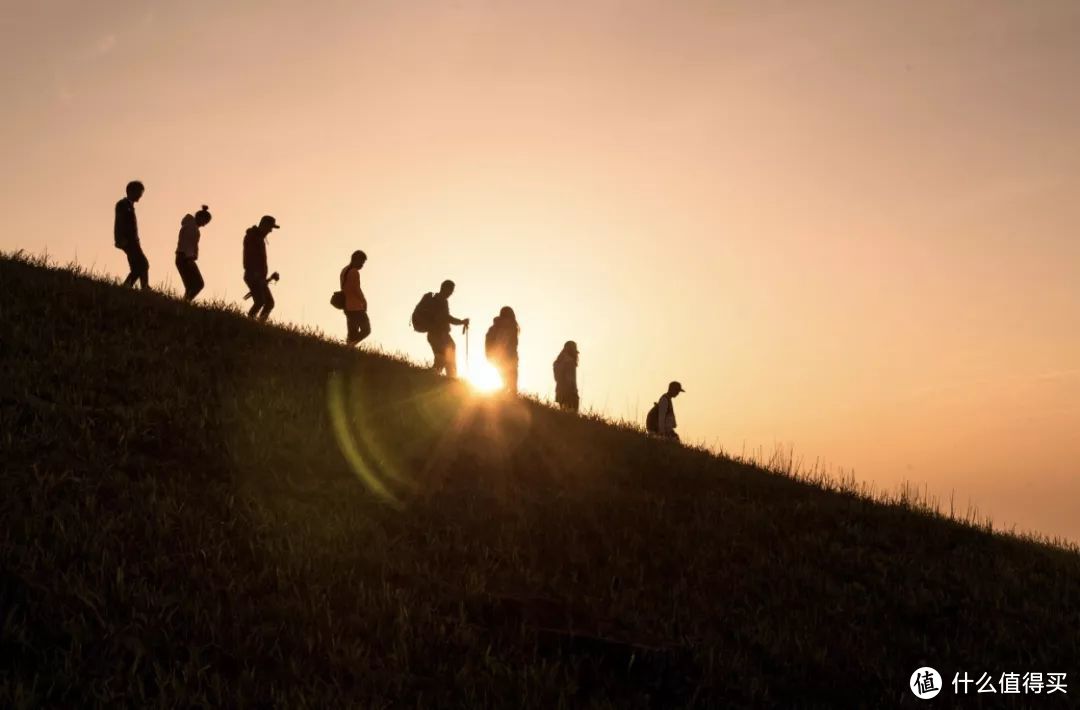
(204, 511)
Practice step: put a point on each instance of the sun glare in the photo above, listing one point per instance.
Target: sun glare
(484, 378)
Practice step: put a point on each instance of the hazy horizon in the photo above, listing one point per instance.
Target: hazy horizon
(846, 228)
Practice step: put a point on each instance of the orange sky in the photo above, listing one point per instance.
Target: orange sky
(850, 227)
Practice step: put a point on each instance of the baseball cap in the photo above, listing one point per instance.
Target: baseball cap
(677, 386)
(268, 222)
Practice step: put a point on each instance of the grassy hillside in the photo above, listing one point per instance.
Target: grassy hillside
(199, 509)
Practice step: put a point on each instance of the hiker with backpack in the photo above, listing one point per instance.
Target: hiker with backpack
(187, 252)
(660, 420)
(432, 316)
(255, 267)
(501, 347)
(565, 368)
(353, 302)
(126, 237)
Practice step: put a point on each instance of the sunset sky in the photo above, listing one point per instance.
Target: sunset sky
(849, 227)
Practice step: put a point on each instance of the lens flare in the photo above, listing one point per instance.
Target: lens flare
(362, 466)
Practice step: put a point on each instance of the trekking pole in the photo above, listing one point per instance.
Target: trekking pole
(466, 329)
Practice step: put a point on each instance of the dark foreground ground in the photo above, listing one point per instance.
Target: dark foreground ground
(204, 511)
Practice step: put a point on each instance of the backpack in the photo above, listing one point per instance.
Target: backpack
(491, 342)
(121, 238)
(652, 419)
(421, 315)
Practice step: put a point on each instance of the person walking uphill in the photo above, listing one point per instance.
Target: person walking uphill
(126, 237)
(255, 267)
(432, 316)
(565, 367)
(187, 252)
(356, 317)
(501, 347)
(661, 418)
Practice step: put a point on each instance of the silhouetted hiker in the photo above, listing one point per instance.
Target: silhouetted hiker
(255, 267)
(501, 347)
(356, 318)
(187, 252)
(432, 316)
(661, 418)
(565, 367)
(126, 236)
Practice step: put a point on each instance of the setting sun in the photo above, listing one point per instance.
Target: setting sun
(484, 378)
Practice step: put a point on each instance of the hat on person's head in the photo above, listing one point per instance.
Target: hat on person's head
(675, 387)
(268, 222)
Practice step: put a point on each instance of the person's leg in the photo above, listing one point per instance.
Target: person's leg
(352, 327)
(189, 275)
(438, 351)
(197, 283)
(450, 356)
(503, 368)
(185, 278)
(512, 377)
(256, 295)
(133, 264)
(143, 267)
(365, 326)
(268, 302)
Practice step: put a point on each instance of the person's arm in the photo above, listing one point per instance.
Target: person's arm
(352, 284)
(458, 321)
(186, 244)
(133, 222)
(124, 229)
